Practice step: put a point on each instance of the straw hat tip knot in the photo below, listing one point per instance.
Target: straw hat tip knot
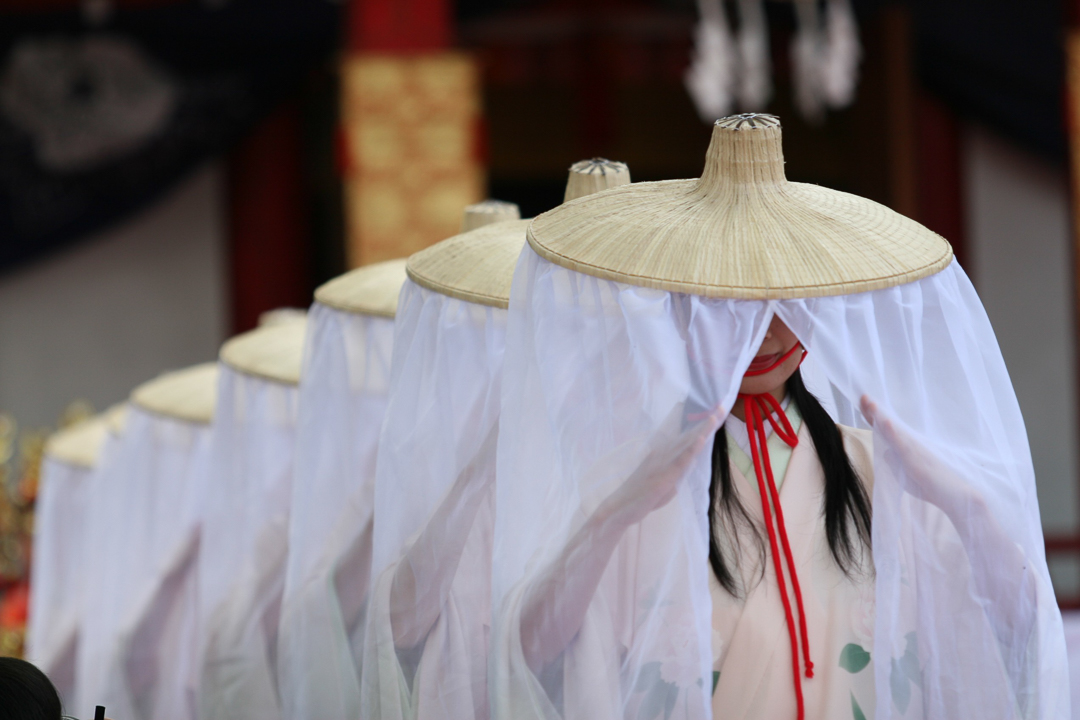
(749, 121)
(594, 175)
(489, 211)
(745, 150)
(598, 166)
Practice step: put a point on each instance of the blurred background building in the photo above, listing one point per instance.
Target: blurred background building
(170, 169)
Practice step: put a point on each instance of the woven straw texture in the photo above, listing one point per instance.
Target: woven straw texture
(273, 353)
(487, 212)
(370, 290)
(277, 316)
(478, 265)
(740, 231)
(188, 394)
(79, 444)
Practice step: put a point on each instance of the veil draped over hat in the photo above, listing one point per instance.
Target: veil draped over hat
(342, 399)
(67, 468)
(444, 404)
(144, 503)
(244, 539)
(605, 364)
(429, 619)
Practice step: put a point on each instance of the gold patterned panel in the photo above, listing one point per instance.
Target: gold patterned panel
(411, 130)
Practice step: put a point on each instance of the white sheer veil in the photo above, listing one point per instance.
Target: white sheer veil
(241, 568)
(444, 404)
(60, 514)
(144, 499)
(59, 520)
(429, 618)
(342, 399)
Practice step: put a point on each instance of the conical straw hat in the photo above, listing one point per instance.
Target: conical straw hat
(116, 419)
(478, 266)
(280, 315)
(80, 443)
(272, 353)
(370, 290)
(487, 212)
(189, 394)
(739, 231)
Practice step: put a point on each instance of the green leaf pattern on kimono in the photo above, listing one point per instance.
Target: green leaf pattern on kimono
(660, 695)
(904, 672)
(854, 658)
(855, 709)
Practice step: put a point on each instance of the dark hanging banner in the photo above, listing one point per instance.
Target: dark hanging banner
(96, 122)
(999, 63)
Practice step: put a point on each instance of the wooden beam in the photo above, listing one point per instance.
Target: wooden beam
(900, 112)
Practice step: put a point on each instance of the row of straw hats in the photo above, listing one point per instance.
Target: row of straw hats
(741, 230)
(476, 265)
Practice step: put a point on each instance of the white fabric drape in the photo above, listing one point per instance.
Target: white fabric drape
(56, 590)
(433, 502)
(144, 502)
(241, 567)
(343, 391)
(598, 374)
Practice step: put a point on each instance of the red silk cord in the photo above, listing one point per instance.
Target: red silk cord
(758, 409)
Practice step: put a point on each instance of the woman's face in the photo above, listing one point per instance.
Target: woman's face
(778, 340)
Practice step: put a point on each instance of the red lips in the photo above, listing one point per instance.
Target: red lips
(763, 361)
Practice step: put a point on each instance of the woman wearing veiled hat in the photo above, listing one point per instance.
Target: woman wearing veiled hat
(429, 614)
(637, 576)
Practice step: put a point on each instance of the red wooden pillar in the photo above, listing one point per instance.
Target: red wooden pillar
(398, 26)
(940, 190)
(268, 221)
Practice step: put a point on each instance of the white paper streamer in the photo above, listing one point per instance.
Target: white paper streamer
(710, 78)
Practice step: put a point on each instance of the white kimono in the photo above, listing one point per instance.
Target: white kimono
(751, 650)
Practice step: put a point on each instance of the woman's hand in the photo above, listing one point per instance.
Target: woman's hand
(554, 608)
(655, 482)
(425, 573)
(927, 478)
(1008, 585)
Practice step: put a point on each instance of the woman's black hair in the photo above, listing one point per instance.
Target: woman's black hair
(26, 693)
(846, 505)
